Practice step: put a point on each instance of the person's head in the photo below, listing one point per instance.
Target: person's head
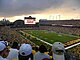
(24, 51)
(58, 51)
(58, 48)
(3, 50)
(42, 49)
(14, 45)
(4, 42)
(35, 48)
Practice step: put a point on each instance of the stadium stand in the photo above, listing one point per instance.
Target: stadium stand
(61, 26)
(72, 47)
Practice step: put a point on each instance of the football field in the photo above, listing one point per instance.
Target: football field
(50, 36)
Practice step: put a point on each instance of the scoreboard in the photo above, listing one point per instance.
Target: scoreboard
(29, 21)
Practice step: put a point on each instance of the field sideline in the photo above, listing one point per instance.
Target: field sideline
(50, 36)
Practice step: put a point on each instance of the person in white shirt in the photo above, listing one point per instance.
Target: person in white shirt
(3, 51)
(13, 54)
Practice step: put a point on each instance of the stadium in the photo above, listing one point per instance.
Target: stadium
(39, 29)
(45, 32)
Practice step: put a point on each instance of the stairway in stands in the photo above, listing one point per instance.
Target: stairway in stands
(71, 43)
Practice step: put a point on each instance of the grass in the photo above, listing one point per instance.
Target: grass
(50, 37)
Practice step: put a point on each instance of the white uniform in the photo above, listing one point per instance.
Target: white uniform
(13, 54)
(1, 58)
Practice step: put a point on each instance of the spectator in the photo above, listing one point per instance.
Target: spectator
(58, 51)
(25, 52)
(13, 54)
(34, 49)
(3, 51)
(41, 54)
(4, 42)
(50, 53)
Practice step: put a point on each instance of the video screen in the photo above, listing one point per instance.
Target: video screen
(29, 21)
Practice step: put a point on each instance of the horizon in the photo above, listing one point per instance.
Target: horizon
(47, 17)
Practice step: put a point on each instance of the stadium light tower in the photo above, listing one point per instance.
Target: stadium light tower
(50, 17)
(59, 17)
(54, 17)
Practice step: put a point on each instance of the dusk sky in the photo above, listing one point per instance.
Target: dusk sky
(41, 9)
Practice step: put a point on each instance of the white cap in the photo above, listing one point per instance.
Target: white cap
(25, 49)
(3, 42)
(2, 46)
(58, 45)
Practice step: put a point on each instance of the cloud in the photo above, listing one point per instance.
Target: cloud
(25, 7)
(18, 7)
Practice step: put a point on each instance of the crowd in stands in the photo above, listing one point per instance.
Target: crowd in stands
(61, 26)
(60, 22)
(59, 29)
(76, 51)
(14, 47)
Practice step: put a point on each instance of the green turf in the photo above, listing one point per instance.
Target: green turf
(50, 37)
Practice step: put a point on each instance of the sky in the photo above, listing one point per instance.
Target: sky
(41, 9)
